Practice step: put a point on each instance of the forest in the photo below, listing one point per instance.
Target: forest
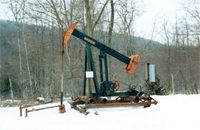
(30, 47)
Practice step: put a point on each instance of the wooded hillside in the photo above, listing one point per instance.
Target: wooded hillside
(30, 48)
(44, 58)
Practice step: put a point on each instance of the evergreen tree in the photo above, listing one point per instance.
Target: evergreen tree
(156, 88)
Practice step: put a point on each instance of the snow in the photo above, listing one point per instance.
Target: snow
(40, 99)
(11, 101)
(173, 112)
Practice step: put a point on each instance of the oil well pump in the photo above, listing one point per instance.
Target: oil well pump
(106, 88)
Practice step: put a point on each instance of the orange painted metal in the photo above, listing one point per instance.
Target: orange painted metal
(130, 68)
(68, 33)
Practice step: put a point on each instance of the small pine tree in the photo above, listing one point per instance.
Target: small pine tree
(155, 88)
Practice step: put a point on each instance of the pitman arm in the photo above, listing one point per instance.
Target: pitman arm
(130, 61)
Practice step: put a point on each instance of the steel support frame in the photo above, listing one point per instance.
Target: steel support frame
(89, 58)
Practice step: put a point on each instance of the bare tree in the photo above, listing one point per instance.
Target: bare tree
(11, 89)
(26, 49)
(192, 8)
(15, 7)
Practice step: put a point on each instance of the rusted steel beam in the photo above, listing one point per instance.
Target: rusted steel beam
(81, 109)
(110, 105)
(31, 105)
(42, 103)
(43, 108)
(32, 110)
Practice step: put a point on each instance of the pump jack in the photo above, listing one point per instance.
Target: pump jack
(107, 88)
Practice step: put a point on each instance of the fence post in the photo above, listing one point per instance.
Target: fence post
(20, 109)
(26, 113)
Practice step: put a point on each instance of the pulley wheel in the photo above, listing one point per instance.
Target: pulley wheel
(118, 85)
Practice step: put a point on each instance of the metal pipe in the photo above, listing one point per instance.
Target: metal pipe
(148, 81)
(62, 107)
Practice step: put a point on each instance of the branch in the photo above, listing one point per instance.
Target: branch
(149, 40)
(100, 15)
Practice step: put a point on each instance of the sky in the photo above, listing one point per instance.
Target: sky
(155, 11)
(4, 13)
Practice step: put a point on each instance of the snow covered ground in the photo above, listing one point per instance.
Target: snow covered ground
(173, 112)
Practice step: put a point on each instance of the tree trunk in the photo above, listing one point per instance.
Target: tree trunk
(11, 89)
(110, 33)
(173, 88)
(89, 31)
(15, 10)
(88, 6)
(26, 50)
